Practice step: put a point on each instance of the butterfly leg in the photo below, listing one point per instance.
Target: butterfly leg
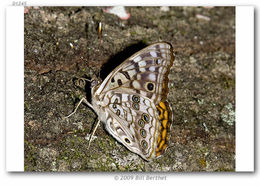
(92, 133)
(84, 100)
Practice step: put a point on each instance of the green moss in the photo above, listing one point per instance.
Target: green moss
(202, 162)
(30, 157)
(26, 106)
(133, 33)
(227, 82)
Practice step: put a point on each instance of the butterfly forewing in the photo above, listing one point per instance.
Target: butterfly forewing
(132, 101)
(146, 72)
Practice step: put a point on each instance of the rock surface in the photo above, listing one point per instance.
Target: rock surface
(62, 44)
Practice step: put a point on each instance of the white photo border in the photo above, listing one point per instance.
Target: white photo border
(244, 88)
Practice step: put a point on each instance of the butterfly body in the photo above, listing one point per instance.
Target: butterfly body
(131, 101)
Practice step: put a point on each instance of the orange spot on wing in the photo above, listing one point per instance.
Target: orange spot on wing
(166, 114)
(165, 119)
(162, 105)
(161, 144)
(164, 147)
(161, 113)
(164, 134)
(164, 123)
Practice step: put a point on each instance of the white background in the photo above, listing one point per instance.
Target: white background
(176, 179)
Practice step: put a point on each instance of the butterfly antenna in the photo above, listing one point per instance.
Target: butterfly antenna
(99, 32)
(99, 73)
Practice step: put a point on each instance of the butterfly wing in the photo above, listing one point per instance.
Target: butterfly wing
(132, 120)
(137, 113)
(145, 73)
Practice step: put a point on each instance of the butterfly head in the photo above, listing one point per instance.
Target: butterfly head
(95, 83)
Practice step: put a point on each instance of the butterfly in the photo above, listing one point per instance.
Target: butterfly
(132, 101)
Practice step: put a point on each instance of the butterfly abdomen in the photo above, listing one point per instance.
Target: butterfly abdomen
(165, 119)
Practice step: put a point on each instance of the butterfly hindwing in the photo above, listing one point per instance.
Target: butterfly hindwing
(133, 120)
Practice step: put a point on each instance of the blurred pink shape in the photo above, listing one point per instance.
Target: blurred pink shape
(199, 16)
(119, 11)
